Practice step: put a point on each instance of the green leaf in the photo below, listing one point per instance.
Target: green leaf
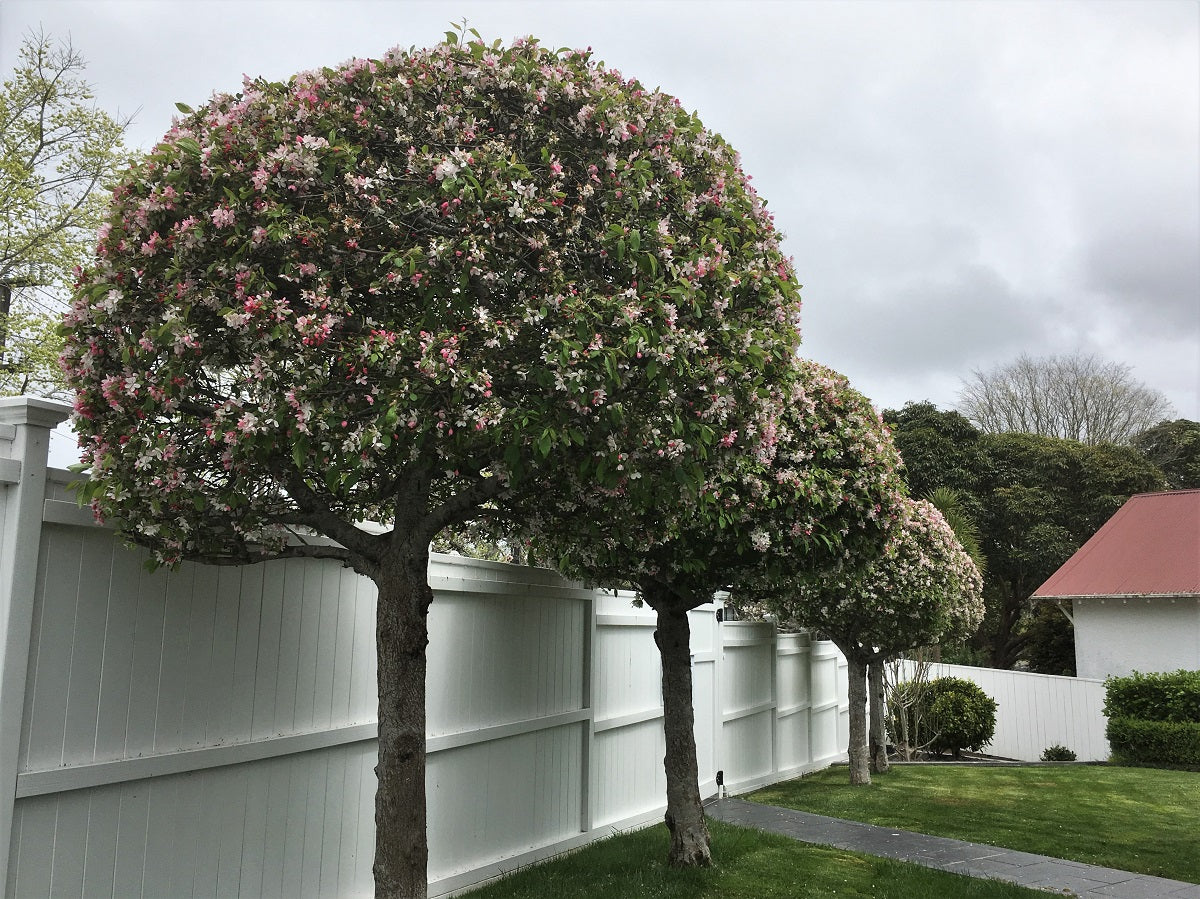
(635, 240)
(183, 107)
(189, 145)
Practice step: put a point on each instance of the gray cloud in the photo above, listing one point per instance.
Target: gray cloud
(959, 183)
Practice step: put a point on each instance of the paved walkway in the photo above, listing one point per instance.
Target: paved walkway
(974, 859)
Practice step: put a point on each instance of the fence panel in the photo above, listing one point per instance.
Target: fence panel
(211, 730)
(1035, 711)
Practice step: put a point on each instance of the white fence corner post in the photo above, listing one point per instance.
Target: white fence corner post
(25, 426)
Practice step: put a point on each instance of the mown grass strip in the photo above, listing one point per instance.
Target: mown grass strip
(749, 865)
(1135, 819)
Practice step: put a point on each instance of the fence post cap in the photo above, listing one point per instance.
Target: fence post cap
(32, 410)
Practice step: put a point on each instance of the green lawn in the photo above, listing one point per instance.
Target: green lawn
(1136, 819)
(749, 865)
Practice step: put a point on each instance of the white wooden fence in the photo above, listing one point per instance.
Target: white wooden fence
(210, 731)
(1036, 711)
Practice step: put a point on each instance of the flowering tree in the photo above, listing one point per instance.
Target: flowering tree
(803, 483)
(923, 586)
(401, 290)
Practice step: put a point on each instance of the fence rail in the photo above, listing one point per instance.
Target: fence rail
(211, 731)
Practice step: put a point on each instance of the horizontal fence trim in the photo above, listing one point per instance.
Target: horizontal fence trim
(793, 650)
(444, 584)
(629, 720)
(700, 658)
(443, 742)
(747, 641)
(58, 511)
(97, 774)
(10, 471)
(793, 709)
(610, 619)
(750, 710)
(826, 706)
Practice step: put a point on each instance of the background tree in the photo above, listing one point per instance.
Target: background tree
(1076, 397)
(1173, 446)
(57, 153)
(940, 449)
(922, 586)
(1035, 501)
(950, 502)
(408, 290)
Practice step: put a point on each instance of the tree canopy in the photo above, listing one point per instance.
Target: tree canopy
(1034, 499)
(57, 153)
(1076, 397)
(1173, 446)
(811, 488)
(310, 288)
(921, 588)
(407, 289)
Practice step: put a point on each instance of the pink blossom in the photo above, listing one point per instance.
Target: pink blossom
(222, 217)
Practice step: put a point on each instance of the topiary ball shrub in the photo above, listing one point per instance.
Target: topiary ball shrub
(958, 716)
(1058, 753)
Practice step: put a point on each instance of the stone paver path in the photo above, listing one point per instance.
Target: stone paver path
(957, 856)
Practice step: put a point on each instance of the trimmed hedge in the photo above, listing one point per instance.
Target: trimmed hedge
(1136, 741)
(1154, 697)
(1154, 719)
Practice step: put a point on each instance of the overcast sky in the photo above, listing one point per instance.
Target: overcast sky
(959, 183)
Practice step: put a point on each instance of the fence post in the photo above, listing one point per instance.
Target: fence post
(25, 426)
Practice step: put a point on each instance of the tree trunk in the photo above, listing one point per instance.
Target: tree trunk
(690, 845)
(401, 848)
(878, 740)
(856, 669)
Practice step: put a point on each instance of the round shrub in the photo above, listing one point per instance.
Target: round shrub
(955, 715)
(1058, 753)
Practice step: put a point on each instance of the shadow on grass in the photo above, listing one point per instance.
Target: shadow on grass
(749, 865)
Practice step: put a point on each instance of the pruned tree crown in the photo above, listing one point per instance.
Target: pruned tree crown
(427, 278)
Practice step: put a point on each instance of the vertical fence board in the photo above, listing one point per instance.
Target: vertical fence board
(49, 685)
(142, 693)
(269, 657)
(87, 653)
(174, 674)
(131, 840)
(162, 838)
(103, 806)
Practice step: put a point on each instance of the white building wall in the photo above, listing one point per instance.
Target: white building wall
(1119, 636)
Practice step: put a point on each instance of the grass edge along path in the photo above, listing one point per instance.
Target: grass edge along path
(749, 864)
(1143, 820)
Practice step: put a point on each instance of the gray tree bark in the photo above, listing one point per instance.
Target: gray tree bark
(856, 669)
(690, 843)
(401, 847)
(877, 746)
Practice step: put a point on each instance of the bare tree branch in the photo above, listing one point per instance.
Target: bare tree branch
(1076, 397)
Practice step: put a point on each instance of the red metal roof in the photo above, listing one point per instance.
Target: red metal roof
(1151, 547)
